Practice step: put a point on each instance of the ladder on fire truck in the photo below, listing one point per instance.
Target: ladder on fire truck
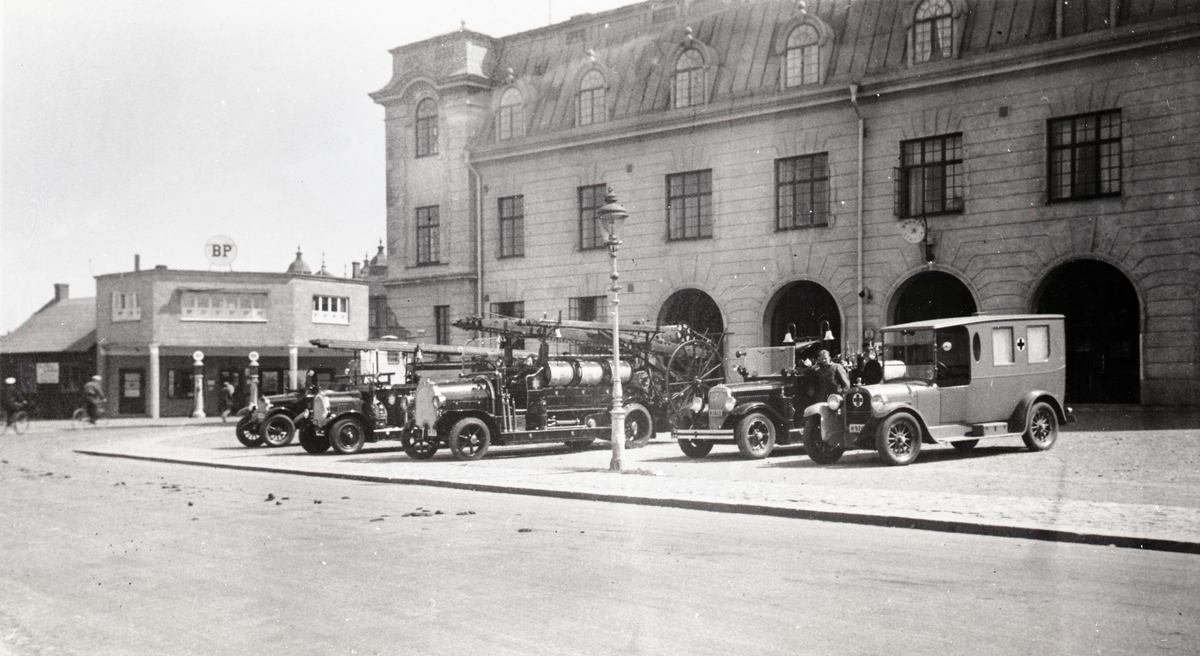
(679, 364)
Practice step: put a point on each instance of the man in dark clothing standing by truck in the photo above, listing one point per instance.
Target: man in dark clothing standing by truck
(831, 376)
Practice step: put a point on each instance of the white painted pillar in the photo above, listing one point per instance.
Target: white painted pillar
(153, 392)
(293, 366)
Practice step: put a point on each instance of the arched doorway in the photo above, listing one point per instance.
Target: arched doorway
(807, 306)
(1102, 322)
(932, 295)
(694, 308)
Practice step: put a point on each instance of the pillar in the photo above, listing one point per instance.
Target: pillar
(153, 390)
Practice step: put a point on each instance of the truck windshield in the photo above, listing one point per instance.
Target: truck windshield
(908, 355)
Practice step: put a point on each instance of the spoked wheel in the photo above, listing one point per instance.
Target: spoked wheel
(639, 427)
(816, 448)
(899, 439)
(245, 435)
(1042, 430)
(469, 438)
(693, 368)
(418, 444)
(755, 435)
(278, 430)
(347, 436)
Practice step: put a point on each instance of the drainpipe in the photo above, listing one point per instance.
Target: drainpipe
(478, 182)
(861, 132)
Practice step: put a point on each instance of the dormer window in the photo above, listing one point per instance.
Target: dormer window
(689, 78)
(933, 31)
(512, 115)
(591, 99)
(427, 127)
(803, 56)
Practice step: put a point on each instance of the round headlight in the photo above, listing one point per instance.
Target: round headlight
(878, 401)
(730, 404)
(697, 404)
(834, 401)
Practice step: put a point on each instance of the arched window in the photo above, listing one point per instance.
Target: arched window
(689, 78)
(427, 127)
(803, 56)
(933, 31)
(512, 115)
(591, 99)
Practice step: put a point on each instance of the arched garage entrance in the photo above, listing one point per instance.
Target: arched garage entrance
(932, 295)
(805, 304)
(695, 308)
(1102, 321)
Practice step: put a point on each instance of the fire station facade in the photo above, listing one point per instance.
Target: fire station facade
(788, 165)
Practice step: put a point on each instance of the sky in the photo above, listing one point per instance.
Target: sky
(143, 127)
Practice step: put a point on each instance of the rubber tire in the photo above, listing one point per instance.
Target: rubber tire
(286, 428)
(418, 445)
(639, 426)
(695, 448)
(755, 435)
(1041, 427)
(312, 442)
(460, 438)
(900, 427)
(964, 445)
(347, 436)
(818, 451)
(247, 437)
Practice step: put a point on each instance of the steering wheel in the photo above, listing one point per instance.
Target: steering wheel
(942, 371)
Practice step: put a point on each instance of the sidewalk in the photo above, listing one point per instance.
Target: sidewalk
(1108, 481)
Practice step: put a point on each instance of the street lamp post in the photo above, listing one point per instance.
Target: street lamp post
(610, 216)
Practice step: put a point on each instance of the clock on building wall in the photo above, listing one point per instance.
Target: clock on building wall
(912, 230)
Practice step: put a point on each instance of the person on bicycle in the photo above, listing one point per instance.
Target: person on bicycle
(14, 400)
(94, 396)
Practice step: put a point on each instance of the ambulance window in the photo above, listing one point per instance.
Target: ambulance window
(1002, 346)
(976, 346)
(1039, 343)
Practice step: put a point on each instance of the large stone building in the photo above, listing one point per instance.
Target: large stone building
(789, 164)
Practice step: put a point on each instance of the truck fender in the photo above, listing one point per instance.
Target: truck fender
(1020, 414)
(742, 410)
(832, 430)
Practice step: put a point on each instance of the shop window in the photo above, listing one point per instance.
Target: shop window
(331, 309)
(125, 307)
(180, 384)
(689, 205)
(1085, 156)
(802, 192)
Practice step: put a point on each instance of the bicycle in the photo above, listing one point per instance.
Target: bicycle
(79, 418)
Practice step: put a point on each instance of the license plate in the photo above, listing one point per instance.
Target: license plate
(855, 428)
(716, 413)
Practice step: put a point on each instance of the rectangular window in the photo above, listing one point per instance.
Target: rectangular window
(591, 198)
(427, 235)
(1002, 346)
(510, 310)
(246, 307)
(689, 205)
(125, 307)
(270, 382)
(931, 178)
(1085, 156)
(331, 309)
(1039, 343)
(512, 226)
(587, 308)
(441, 323)
(180, 384)
(802, 191)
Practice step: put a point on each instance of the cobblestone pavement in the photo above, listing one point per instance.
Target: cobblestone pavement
(1127, 476)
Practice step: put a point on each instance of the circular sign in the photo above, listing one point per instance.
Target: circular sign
(912, 230)
(198, 356)
(220, 250)
(254, 356)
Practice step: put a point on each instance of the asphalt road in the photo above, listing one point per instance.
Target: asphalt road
(113, 556)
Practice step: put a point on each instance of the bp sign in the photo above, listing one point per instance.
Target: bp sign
(220, 251)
